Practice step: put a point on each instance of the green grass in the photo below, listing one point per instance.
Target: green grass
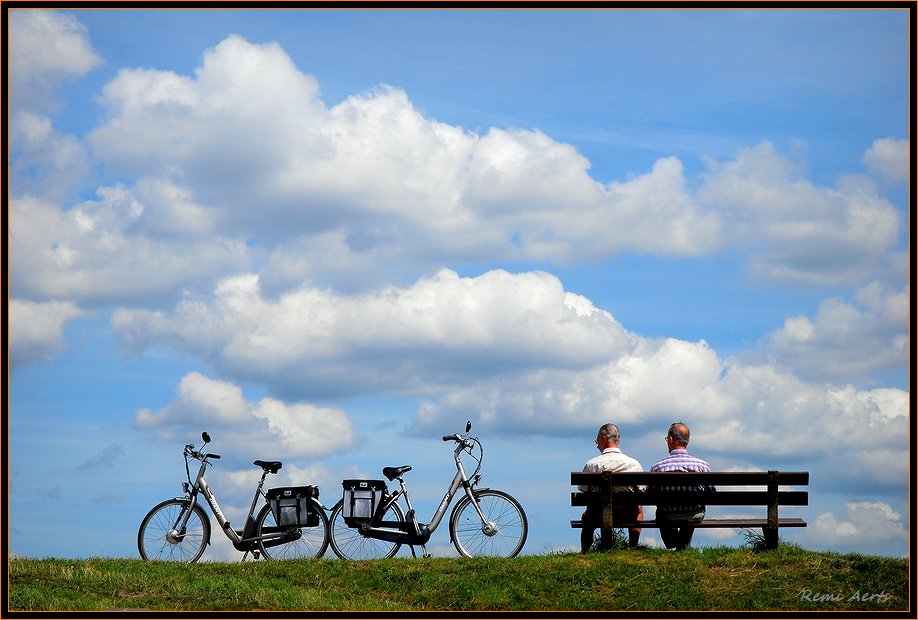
(789, 578)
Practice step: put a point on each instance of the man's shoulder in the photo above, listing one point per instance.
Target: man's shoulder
(678, 459)
(614, 460)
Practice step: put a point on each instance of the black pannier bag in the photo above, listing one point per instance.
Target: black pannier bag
(291, 506)
(362, 499)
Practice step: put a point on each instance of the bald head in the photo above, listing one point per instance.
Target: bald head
(679, 434)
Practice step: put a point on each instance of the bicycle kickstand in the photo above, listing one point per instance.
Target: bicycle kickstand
(424, 553)
(255, 555)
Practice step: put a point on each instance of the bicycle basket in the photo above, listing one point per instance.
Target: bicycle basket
(291, 506)
(361, 501)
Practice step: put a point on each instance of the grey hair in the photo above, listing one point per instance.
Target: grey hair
(610, 432)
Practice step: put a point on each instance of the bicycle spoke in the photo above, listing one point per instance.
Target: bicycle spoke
(154, 541)
(503, 533)
(306, 542)
(349, 544)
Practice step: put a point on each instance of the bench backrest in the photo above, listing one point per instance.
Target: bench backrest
(654, 481)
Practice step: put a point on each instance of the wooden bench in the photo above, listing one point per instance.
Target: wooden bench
(770, 497)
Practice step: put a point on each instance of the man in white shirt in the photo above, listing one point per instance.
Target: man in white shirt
(610, 459)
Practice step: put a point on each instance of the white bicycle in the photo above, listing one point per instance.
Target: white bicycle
(369, 523)
(292, 524)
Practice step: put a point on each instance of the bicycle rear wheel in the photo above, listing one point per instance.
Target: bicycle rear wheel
(304, 542)
(349, 544)
(158, 538)
(502, 535)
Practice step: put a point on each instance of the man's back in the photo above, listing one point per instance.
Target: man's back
(681, 460)
(611, 459)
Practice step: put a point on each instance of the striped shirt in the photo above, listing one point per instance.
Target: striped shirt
(680, 460)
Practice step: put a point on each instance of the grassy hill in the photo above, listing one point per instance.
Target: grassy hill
(789, 578)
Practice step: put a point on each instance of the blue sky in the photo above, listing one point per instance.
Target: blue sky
(330, 237)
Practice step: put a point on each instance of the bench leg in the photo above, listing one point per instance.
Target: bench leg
(771, 531)
(607, 534)
(771, 537)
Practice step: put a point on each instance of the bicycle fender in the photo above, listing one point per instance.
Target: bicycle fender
(184, 498)
(452, 515)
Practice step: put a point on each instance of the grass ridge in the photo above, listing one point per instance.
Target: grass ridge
(720, 578)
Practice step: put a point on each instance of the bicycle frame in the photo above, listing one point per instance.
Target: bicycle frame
(410, 531)
(244, 539)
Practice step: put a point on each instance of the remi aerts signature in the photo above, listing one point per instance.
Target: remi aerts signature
(840, 597)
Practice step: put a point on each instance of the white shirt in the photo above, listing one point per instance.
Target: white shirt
(611, 459)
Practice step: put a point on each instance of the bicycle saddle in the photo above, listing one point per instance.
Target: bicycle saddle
(271, 466)
(394, 472)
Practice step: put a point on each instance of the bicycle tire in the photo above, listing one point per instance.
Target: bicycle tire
(155, 542)
(501, 509)
(349, 544)
(311, 542)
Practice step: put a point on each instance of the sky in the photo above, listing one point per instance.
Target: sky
(329, 237)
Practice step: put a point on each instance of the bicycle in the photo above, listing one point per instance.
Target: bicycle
(369, 522)
(292, 524)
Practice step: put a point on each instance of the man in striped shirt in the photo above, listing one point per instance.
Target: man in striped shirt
(676, 529)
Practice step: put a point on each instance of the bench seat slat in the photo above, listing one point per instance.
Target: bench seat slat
(715, 523)
(706, 498)
(739, 478)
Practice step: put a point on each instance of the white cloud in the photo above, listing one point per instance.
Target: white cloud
(642, 385)
(37, 329)
(863, 526)
(889, 158)
(370, 190)
(846, 340)
(797, 231)
(44, 162)
(97, 251)
(269, 427)
(259, 142)
(518, 353)
(439, 331)
(45, 49)
(741, 416)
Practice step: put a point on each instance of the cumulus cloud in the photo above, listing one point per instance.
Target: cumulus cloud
(248, 129)
(798, 231)
(385, 185)
(243, 163)
(846, 339)
(37, 329)
(46, 48)
(98, 252)
(517, 353)
(742, 416)
(863, 526)
(889, 158)
(268, 427)
(436, 332)
(44, 162)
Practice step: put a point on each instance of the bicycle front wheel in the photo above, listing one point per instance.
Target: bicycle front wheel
(162, 537)
(349, 544)
(304, 542)
(503, 532)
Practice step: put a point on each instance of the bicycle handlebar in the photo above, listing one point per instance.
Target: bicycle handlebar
(190, 451)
